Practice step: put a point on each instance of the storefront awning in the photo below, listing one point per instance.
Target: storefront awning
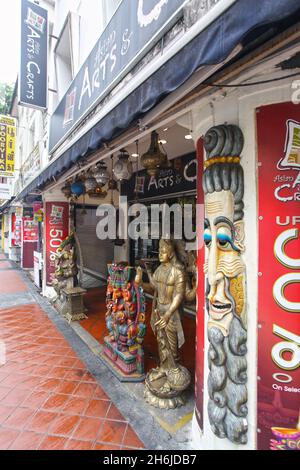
(240, 24)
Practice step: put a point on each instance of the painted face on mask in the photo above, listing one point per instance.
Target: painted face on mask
(224, 267)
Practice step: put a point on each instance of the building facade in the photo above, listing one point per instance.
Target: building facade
(217, 80)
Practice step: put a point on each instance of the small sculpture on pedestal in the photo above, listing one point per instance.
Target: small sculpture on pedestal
(69, 300)
(166, 384)
(125, 321)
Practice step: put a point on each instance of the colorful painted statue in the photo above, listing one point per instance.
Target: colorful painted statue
(125, 321)
(166, 384)
(223, 183)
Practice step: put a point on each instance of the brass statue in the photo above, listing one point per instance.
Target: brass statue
(165, 385)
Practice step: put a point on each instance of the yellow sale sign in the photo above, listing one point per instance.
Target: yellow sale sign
(7, 145)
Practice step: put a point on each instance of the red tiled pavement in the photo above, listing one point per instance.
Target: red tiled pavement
(48, 398)
(5, 265)
(11, 282)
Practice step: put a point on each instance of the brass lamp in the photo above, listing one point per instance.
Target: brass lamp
(154, 158)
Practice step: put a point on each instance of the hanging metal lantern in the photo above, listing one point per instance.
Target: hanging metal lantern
(101, 174)
(66, 190)
(123, 167)
(154, 159)
(77, 188)
(112, 184)
(90, 184)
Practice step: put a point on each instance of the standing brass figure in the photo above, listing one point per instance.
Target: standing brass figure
(165, 385)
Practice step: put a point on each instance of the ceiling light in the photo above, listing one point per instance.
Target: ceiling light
(165, 129)
(136, 154)
(188, 137)
(162, 141)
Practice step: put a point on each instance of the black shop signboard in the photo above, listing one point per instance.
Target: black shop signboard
(180, 177)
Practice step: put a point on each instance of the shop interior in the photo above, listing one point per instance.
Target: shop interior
(176, 142)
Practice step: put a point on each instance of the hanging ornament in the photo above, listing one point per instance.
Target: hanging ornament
(77, 188)
(123, 167)
(154, 159)
(112, 184)
(101, 174)
(90, 184)
(66, 190)
(136, 188)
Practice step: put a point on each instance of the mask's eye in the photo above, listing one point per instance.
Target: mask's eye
(207, 239)
(224, 242)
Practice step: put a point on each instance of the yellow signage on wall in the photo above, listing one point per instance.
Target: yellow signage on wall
(7, 145)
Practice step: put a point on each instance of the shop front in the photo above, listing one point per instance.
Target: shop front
(219, 151)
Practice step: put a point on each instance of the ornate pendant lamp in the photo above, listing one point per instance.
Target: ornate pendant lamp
(154, 159)
(90, 184)
(77, 189)
(123, 167)
(101, 174)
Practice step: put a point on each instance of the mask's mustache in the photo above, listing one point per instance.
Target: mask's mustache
(230, 268)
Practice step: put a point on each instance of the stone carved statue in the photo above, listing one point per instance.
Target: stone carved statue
(165, 385)
(66, 270)
(223, 183)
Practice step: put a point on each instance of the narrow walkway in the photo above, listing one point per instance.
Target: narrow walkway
(48, 398)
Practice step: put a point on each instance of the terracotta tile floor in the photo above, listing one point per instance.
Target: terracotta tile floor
(48, 398)
(11, 282)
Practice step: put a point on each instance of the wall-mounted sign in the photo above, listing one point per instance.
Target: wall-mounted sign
(30, 227)
(16, 229)
(33, 78)
(279, 277)
(7, 146)
(133, 30)
(56, 231)
(32, 165)
(5, 192)
(179, 178)
(30, 230)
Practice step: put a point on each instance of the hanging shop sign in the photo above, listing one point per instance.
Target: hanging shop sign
(33, 79)
(38, 211)
(279, 277)
(180, 177)
(32, 165)
(135, 27)
(16, 229)
(7, 146)
(5, 192)
(56, 230)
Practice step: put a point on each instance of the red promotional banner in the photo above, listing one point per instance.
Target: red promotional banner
(56, 230)
(278, 133)
(199, 373)
(30, 230)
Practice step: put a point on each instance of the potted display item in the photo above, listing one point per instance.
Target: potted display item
(125, 321)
